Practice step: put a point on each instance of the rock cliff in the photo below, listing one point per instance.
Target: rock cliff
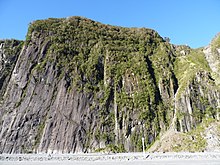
(76, 85)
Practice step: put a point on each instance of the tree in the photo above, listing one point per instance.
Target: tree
(167, 39)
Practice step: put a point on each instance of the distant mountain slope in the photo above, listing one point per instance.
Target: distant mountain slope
(82, 86)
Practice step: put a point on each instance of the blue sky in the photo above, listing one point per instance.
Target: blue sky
(191, 22)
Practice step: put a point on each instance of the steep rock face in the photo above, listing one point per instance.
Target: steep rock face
(37, 100)
(212, 54)
(81, 86)
(9, 51)
(199, 100)
(197, 97)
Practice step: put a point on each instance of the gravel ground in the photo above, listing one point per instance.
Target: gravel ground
(111, 159)
(180, 162)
